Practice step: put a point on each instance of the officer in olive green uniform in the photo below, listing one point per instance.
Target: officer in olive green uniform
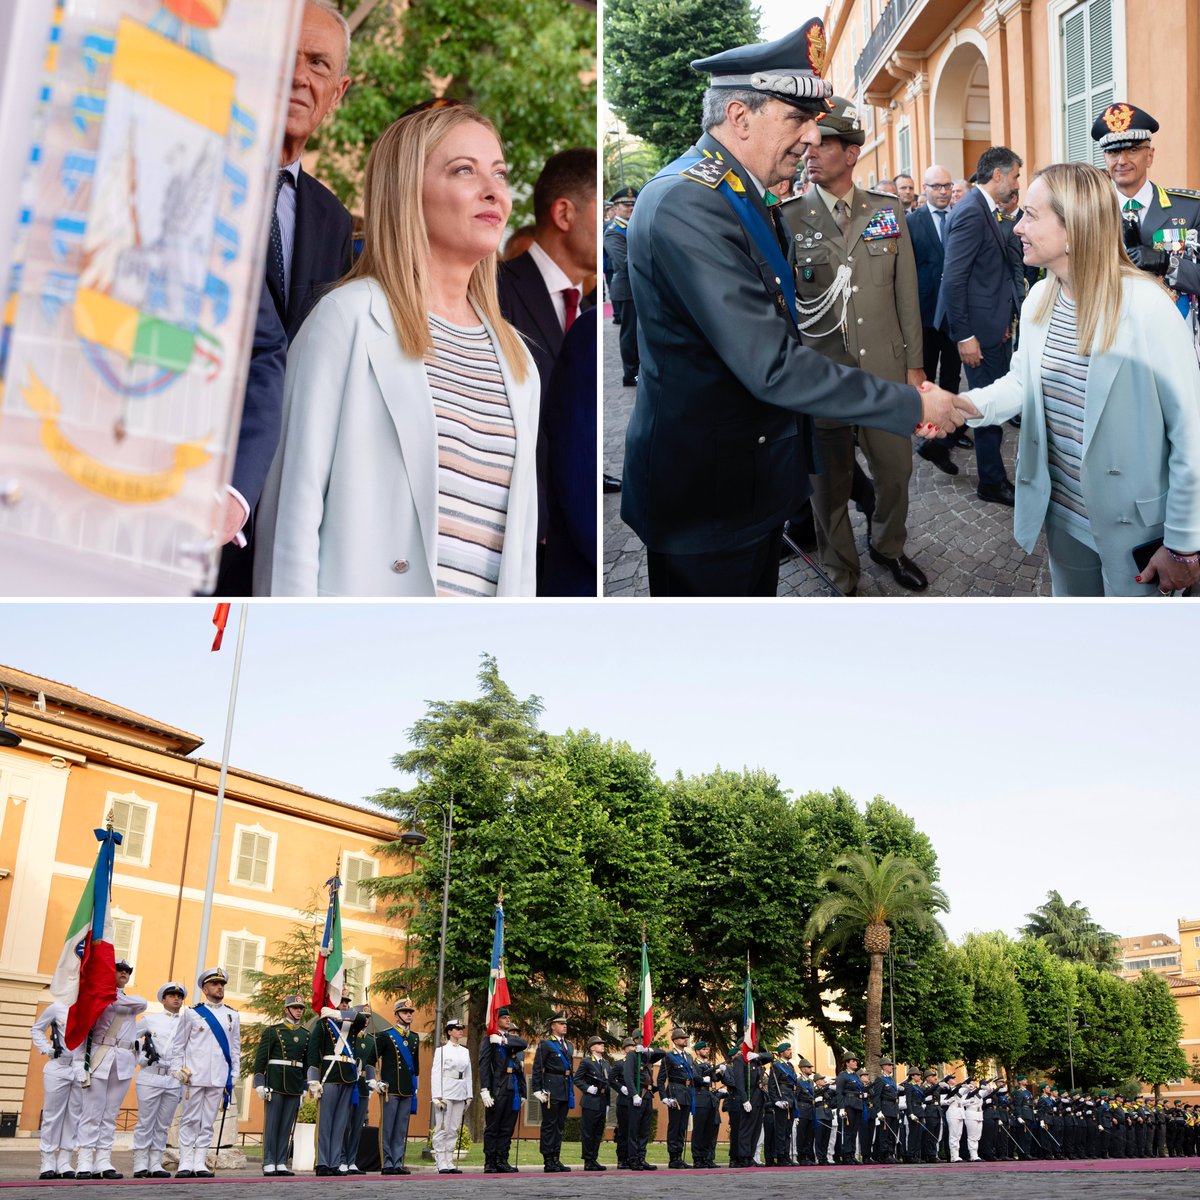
(337, 1047)
(279, 1067)
(867, 315)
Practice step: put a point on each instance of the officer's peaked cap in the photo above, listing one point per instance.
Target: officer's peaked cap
(1122, 125)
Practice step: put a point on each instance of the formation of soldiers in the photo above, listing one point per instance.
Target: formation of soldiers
(780, 1110)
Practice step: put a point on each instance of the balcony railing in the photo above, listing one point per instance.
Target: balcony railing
(889, 22)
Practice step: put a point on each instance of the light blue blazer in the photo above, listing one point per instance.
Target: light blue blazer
(1141, 434)
(350, 503)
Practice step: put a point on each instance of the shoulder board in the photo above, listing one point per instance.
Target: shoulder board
(884, 195)
(708, 171)
(619, 223)
(1195, 195)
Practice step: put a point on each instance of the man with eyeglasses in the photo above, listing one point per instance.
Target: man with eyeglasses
(1157, 219)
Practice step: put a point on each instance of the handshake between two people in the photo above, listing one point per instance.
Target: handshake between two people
(942, 412)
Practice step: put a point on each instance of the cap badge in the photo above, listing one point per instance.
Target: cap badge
(816, 48)
(1118, 117)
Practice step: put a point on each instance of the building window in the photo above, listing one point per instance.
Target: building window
(133, 819)
(1169, 961)
(357, 867)
(241, 953)
(358, 976)
(1086, 33)
(1137, 964)
(125, 936)
(904, 149)
(1196, 941)
(253, 857)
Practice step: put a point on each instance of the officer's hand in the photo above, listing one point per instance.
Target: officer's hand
(593, 1090)
(373, 1085)
(1020, 1120)
(182, 1074)
(970, 352)
(496, 1039)
(315, 1088)
(747, 1106)
(707, 1078)
(914, 377)
(263, 1092)
(781, 1104)
(439, 1103)
(938, 411)
(671, 1103)
(637, 1101)
(50, 1053)
(624, 1090)
(486, 1097)
(640, 1049)
(1157, 262)
(544, 1097)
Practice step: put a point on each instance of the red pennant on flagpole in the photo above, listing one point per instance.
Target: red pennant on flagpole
(220, 617)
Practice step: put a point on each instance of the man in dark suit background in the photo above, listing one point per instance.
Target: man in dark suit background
(927, 227)
(979, 300)
(541, 290)
(309, 250)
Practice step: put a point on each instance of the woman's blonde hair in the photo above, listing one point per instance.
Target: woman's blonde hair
(1085, 202)
(396, 244)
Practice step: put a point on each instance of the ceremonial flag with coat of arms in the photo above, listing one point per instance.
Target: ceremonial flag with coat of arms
(329, 975)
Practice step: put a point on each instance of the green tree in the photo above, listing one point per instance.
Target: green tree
(529, 65)
(1108, 1039)
(1048, 997)
(1070, 932)
(996, 1026)
(649, 46)
(869, 895)
(1162, 1057)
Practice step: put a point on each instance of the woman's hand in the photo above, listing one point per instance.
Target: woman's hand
(1171, 576)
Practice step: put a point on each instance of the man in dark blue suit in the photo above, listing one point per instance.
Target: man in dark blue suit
(927, 228)
(978, 300)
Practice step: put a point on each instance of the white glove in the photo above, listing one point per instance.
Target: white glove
(1043, 1124)
(670, 1103)
(640, 1049)
(79, 1075)
(781, 1104)
(383, 1088)
(1020, 1120)
(263, 1092)
(486, 1096)
(315, 1088)
(544, 1097)
(879, 1119)
(637, 1101)
(496, 1039)
(373, 1085)
(747, 1106)
(182, 1074)
(593, 1090)
(48, 1053)
(439, 1103)
(624, 1090)
(707, 1078)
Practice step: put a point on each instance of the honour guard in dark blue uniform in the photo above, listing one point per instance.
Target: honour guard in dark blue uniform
(781, 1096)
(638, 1080)
(852, 1116)
(708, 1089)
(746, 1079)
(914, 1113)
(719, 445)
(676, 1074)
(825, 1119)
(1022, 1102)
(621, 1095)
(805, 1095)
(554, 1086)
(595, 1079)
(619, 292)
(885, 1100)
(279, 1080)
(502, 1090)
(934, 1115)
(399, 1072)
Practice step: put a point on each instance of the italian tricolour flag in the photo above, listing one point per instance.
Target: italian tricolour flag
(329, 975)
(749, 1025)
(85, 979)
(497, 983)
(646, 1000)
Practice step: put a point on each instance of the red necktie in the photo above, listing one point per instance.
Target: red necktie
(571, 307)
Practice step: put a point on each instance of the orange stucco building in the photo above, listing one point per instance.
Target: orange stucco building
(939, 81)
(79, 759)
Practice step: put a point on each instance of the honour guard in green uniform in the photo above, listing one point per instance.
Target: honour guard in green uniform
(399, 1074)
(335, 1052)
(279, 1080)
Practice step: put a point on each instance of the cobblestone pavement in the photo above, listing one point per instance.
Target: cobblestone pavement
(1096, 1181)
(963, 544)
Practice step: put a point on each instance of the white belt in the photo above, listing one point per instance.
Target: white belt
(157, 1070)
(287, 1062)
(342, 1058)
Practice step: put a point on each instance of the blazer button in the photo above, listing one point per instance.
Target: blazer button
(860, 320)
(400, 566)
(761, 440)
(862, 353)
(1113, 471)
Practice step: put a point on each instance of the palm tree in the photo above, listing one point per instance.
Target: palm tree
(1070, 932)
(869, 896)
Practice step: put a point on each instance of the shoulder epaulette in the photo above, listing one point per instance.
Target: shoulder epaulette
(889, 195)
(708, 171)
(1195, 195)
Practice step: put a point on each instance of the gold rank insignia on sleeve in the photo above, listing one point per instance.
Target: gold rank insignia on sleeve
(708, 171)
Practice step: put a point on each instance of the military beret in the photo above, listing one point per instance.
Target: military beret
(212, 975)
(625, 195)
(595, 1040)
(782, 1047)
(842, 121)
(788, 69)
(503, 1012)
(293, 1002)
(677, 1034)
(177, 988)
(700, 1044)
(1123, 125)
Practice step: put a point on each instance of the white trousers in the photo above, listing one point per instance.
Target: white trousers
(156, 1111)
(974, 1121)
(446, 1134)
(196, 1124)
(102, 1100)
(61, 1103)
(954, 1128)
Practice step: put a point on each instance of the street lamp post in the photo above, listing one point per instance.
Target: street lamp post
(620, 154)
(415, 838)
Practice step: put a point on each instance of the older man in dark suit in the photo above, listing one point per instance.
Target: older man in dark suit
(309, 250)
(979, 300)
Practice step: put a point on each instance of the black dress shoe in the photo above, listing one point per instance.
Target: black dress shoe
(962, 441)
(450, 1171)
(904, 571)
(162, 1174)
(192, 1174)
(355, 1170)
(202, 1175)
(629, 381)
(997, 493)
(141, 1174)
(937, 454)
(611, 484)
(48, 1175)
(66, 1175)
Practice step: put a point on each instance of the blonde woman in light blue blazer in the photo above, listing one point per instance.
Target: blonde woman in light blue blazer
(1109, 452)
(407, 464)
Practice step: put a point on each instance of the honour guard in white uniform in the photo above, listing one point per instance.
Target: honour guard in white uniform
(452, 1086)
(158, 1091)
(110, 1058)
(61, 1077)
(206, 1063)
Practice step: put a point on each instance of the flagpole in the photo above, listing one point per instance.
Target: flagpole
(215, 848)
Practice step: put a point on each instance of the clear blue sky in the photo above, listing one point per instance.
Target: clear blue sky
(780, 17)
(1039, 745)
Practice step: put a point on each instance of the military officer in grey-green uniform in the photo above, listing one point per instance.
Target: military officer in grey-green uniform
(856, 289)
(399, 1070)
(619, 291)
(336, 1048)
(279, 1080)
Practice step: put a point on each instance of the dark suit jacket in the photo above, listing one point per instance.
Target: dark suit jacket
(569, 426)
(930, 255)
(979, 295)
(715, 455)
(262, 407)
(527, 304)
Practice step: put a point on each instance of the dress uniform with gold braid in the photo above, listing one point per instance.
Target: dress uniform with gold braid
(676, 1086)
(279, 1079)
(333, 1069)
(399, 1072)
(502, 1089)
(595, 1079)
(553, 1082)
